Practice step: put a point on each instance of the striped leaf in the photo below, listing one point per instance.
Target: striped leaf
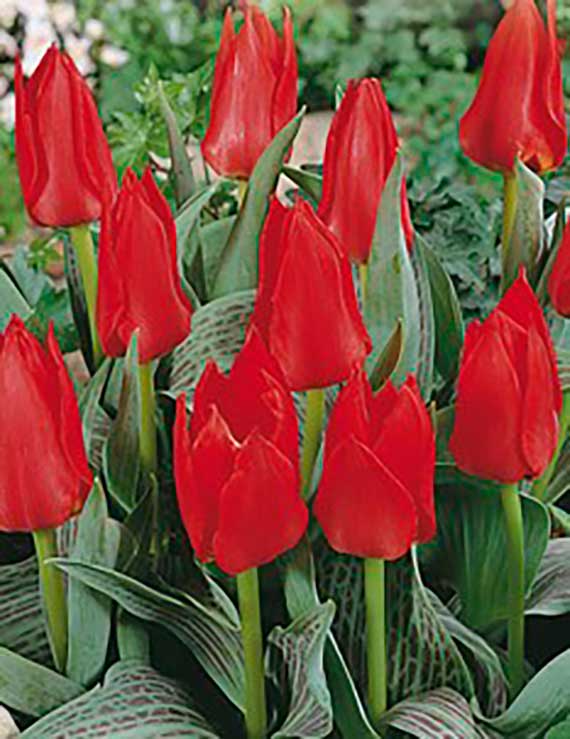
(550, 594)
(439, 714)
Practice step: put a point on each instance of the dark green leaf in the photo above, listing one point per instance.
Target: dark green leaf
(11, 301)
(182, 175)
(387, 359)
(425, 366)
(188, 215)
(77, 299)
(560, 731)
(310, 182)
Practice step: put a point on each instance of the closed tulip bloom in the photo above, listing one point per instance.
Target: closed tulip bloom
(254, 93)
(64, 161)
(236, 468)
(559, 279)
(518, 110)
(508, 392)
(360, 153)
(139, 283)
(376, 494)
(44, 476)
(306, 307)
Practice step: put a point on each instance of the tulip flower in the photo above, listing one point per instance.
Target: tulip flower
(508, 393)
(236, 469)
(360, 152)
(376, 495)
(559, 279)
(139, 283)
(254, 92)
(518, 110)
(306, 307)
(63, 157)
(44, 476)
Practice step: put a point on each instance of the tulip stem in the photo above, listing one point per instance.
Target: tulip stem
(374, 592)
(510, 197)
(147, 436)
(515, 567)
(363, 272)
(83, 245)
(314, 416)
(540, 485)
(250, 614)
(53, 591)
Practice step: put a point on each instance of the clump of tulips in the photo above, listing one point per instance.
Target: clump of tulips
(320, 432)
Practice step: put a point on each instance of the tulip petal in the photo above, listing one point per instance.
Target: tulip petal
(559, 279)
(350, 414)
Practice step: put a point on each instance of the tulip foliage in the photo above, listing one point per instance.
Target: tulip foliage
(294, 495)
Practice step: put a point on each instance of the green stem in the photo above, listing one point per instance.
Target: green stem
(147, 435)
(249, 608)
(515, 568)
(541, 484)
(83, 244)
(53, 592)
(314, 416)
(363, 272)
(510, 197)
(374, 592)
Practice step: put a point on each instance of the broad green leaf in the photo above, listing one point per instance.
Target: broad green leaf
(310, 182)
(447, 313)
(526, 242)
(218, 331)
(471, 545)
(542, 703)
(208, 633)
(11, 301)
(31, 688)
(181, 170)
(387, 359)
(300, 649)
(392, 293)
(97, 541)
(134, 702)
(77, 299)
(426, 358)
(121, 460)
(560, 731)
(550, 594)
(188, 216)
(213, 239)
(238, 266)
(22, 626)
(439, 714)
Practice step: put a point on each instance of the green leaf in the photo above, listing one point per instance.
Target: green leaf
(447, 313)
(560, 731)
(439, 714)
(238, 266)
(310, 182)
(387, 359)
(213, 239)
(471, 541)
(300, 649)
(31, 688)
(121, 459)
(181, 170)
(542, 703)
(96, 423)
(188, 215)
(97, 541)
(392, 293)
(526, 241)
(560, 482)
(207, 631)
(550, 594)
(11, 301)
(427, 327)
(135, 702)
(218, 332)
(77, 299)
(22, 626)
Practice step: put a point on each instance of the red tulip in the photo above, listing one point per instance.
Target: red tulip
(237, 468)
(65, 165)
(559, 280)
(139, 283)
(254, 93)
(508, 393)
(376, 494)
(44, 477)
(518, 110)
(360, 153)
(306, 306)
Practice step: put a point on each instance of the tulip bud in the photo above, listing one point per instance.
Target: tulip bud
(306, 307)
(376, 494)
(237, 468)
(559, 279)
(518, 110)
(139, 283)
(508, 392)
(65, 165)
(254, 93)
(360, 152)
(44, 476)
